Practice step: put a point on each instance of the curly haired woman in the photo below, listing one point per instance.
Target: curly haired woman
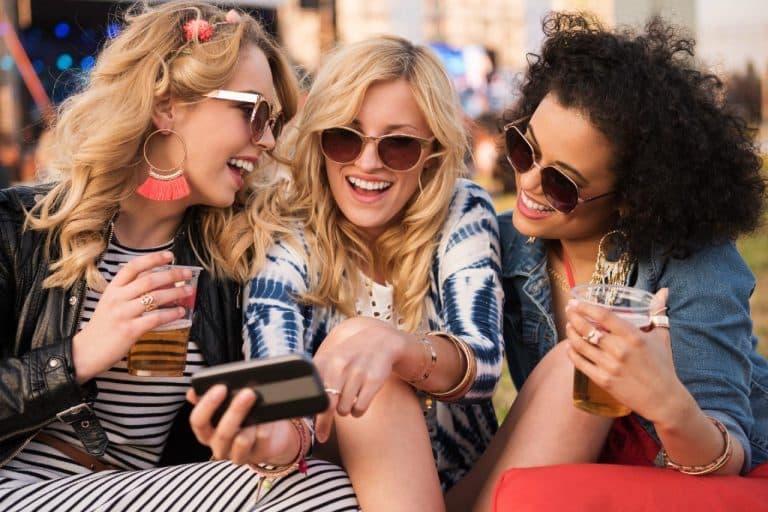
(629, 171)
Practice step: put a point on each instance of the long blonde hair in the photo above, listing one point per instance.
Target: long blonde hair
(97, 140)
(403, 253)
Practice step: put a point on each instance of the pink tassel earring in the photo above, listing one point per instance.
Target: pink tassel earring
(164, 184)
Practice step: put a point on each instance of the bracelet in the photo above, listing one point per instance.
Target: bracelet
(430, 360)
(272, 472)
(466, 354)
(713, 466)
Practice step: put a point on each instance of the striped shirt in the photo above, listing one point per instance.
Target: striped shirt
(465, 299)
(135, 412)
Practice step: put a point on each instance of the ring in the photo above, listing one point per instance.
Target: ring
(148, 301)
(660, 321)
(593, 336)
(332, 391)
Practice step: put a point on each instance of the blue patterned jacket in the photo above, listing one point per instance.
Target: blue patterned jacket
(465, 299)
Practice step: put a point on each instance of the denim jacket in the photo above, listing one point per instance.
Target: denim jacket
(713, 346)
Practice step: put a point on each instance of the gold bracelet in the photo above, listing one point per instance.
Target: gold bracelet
(713, 466)
(298, 462)
(466, 354)
(430, 360)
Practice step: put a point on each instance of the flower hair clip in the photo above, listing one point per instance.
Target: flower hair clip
(198, 28)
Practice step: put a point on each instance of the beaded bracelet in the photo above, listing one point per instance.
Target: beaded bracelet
(272, 472)
(430, 360)
(713, 466)
(467, 355)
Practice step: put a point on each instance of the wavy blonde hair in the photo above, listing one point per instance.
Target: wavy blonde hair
(97, 140)
(403, 253)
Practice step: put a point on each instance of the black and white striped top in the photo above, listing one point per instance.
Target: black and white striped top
(136, 412)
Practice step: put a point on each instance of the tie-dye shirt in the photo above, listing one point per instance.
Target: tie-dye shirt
(465, 299)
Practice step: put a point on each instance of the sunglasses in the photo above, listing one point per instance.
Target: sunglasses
(262, 115)
(398, 152)
(561, 192)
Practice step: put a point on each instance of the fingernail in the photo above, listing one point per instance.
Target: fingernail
(186, 273)
(188, 290)
(218, 391)
(168, 255)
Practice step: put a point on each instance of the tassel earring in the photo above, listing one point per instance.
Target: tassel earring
(164, 184)
(614, 263)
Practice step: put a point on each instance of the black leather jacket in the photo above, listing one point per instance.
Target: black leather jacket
(37, 380)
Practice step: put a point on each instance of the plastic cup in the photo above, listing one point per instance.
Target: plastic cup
(632, 305)
(162, 352)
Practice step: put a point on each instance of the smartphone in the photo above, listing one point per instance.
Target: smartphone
(286, 387)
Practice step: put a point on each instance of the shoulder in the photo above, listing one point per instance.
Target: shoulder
(470, 204)
(287, 258)
(469, 196)
(508, 233)
(14, 201)
(716, 259)
(720, 265)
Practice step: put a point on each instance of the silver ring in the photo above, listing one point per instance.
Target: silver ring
(660, 321)
(332, 391)
(148, 301)
(593, 336)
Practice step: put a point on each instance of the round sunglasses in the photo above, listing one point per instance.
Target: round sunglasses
(561, 192)
(262, 115)
(398, 152)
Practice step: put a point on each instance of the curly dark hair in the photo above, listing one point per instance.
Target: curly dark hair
(687, 170)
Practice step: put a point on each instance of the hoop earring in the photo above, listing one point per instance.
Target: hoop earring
(164, 184)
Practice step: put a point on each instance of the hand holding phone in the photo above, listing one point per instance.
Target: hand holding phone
(285, 386)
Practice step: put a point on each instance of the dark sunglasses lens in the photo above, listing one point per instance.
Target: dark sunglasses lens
(260, 118)
(399, 153)
(519, 152)
(561, 192)
(340, 145)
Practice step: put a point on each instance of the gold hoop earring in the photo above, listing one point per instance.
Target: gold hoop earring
(164, 184)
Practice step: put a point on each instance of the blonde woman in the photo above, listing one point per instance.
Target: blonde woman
(390, 278)
(185, 89)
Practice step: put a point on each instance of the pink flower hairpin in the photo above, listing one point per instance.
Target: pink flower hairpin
(200, 28)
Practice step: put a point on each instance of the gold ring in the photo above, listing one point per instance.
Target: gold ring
(593, 336)
(332, 391)
(660, 321)
(148, 301)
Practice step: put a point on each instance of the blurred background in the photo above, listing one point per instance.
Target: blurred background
(47, 49)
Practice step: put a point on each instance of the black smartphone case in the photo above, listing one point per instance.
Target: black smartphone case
(285, 386)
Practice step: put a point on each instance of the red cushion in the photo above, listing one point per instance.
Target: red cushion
(598, 487)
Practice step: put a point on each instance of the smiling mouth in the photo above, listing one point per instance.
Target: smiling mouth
(368, 186)
(533, 205)
(244, 166)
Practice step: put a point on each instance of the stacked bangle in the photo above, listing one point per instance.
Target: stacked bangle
(713, 466)
(468, 356)
(430, 360)
(272, 472)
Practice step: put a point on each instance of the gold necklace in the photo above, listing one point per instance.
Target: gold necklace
(557, 278)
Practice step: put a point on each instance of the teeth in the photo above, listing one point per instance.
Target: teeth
(369, 185)
(530, 203)
(245, 165)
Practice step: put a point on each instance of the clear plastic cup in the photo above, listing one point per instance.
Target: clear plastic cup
(162, 352)
(632, 305)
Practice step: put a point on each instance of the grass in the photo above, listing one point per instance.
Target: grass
(754, 250)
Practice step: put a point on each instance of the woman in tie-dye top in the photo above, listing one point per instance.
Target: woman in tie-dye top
(387, 273)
